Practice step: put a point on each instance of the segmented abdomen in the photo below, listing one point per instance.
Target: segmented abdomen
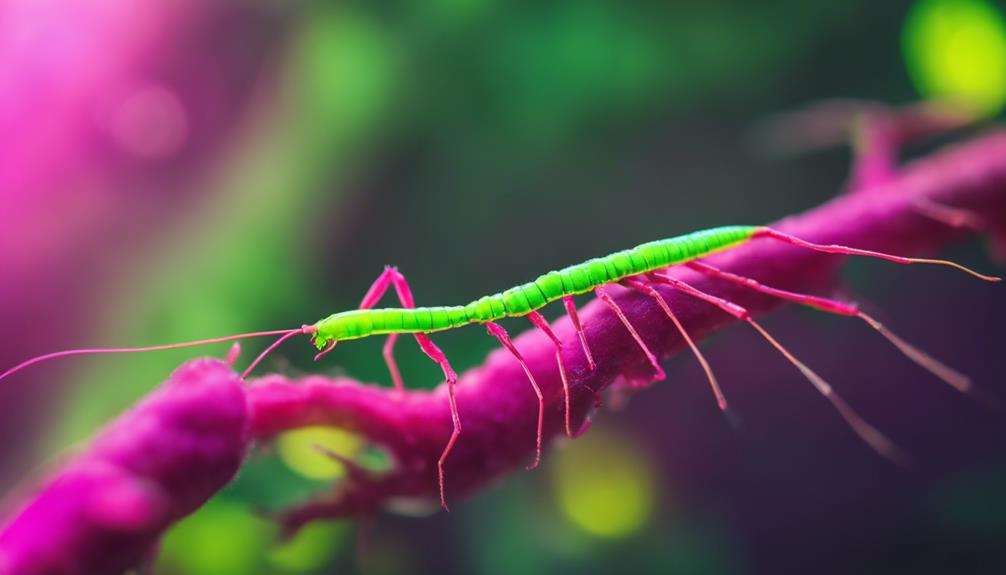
(521, 300)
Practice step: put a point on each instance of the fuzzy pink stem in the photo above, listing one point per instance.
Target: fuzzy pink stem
(104, 511)
(501, 417)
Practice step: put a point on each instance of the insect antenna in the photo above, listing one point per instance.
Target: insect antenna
(162, 347)
(845, 250)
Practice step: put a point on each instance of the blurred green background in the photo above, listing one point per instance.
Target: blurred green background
(253, 165)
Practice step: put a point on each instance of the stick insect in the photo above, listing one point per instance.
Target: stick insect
(639, 268)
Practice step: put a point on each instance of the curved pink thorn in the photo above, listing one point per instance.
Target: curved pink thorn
(497, 331)
(647, 289)
(541, 323)
(574, 317)
(233, 354)
(607, 299)
(949, 215)
(845, 250)
(162, 347)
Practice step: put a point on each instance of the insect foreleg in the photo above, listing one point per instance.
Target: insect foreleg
(390, 276)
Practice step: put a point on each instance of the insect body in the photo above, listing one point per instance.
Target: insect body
(641, 268)
(524, 299)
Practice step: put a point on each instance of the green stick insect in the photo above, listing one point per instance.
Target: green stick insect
(639, 268)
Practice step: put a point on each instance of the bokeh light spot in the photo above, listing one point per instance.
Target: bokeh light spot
(222, 538)
(956, 49)
(150, 123)
(604, 485)
(299, 450)
(311, 548)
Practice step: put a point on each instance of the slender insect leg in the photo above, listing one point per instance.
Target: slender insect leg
(647, 289)
(434, 353)
(541, 323)
(497, 331)
(574, 317)
(869, 434)
(607, 299)
(390, 276)
(946, 373)
(845, 250)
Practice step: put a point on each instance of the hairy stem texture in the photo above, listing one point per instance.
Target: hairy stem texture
(104, 511)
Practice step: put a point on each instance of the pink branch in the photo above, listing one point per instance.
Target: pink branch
(497, 406)
(104, 511)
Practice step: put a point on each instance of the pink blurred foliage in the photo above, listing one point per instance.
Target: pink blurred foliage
(104, 510)
(107, 113)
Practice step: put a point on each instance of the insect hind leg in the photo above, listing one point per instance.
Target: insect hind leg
(848, 251)
(947, 374)
(867, 432)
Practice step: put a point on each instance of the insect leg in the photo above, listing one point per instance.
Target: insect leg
(497, 331)
(603, 295)
(434, 353)
(949, 375)
(845, 250)
(643, 287)
(869, 434)
(541, 323)
(574, 317)
(389, 276)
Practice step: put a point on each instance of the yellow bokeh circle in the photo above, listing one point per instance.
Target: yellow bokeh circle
(304, 450)
(604, 485)
(956, 50)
